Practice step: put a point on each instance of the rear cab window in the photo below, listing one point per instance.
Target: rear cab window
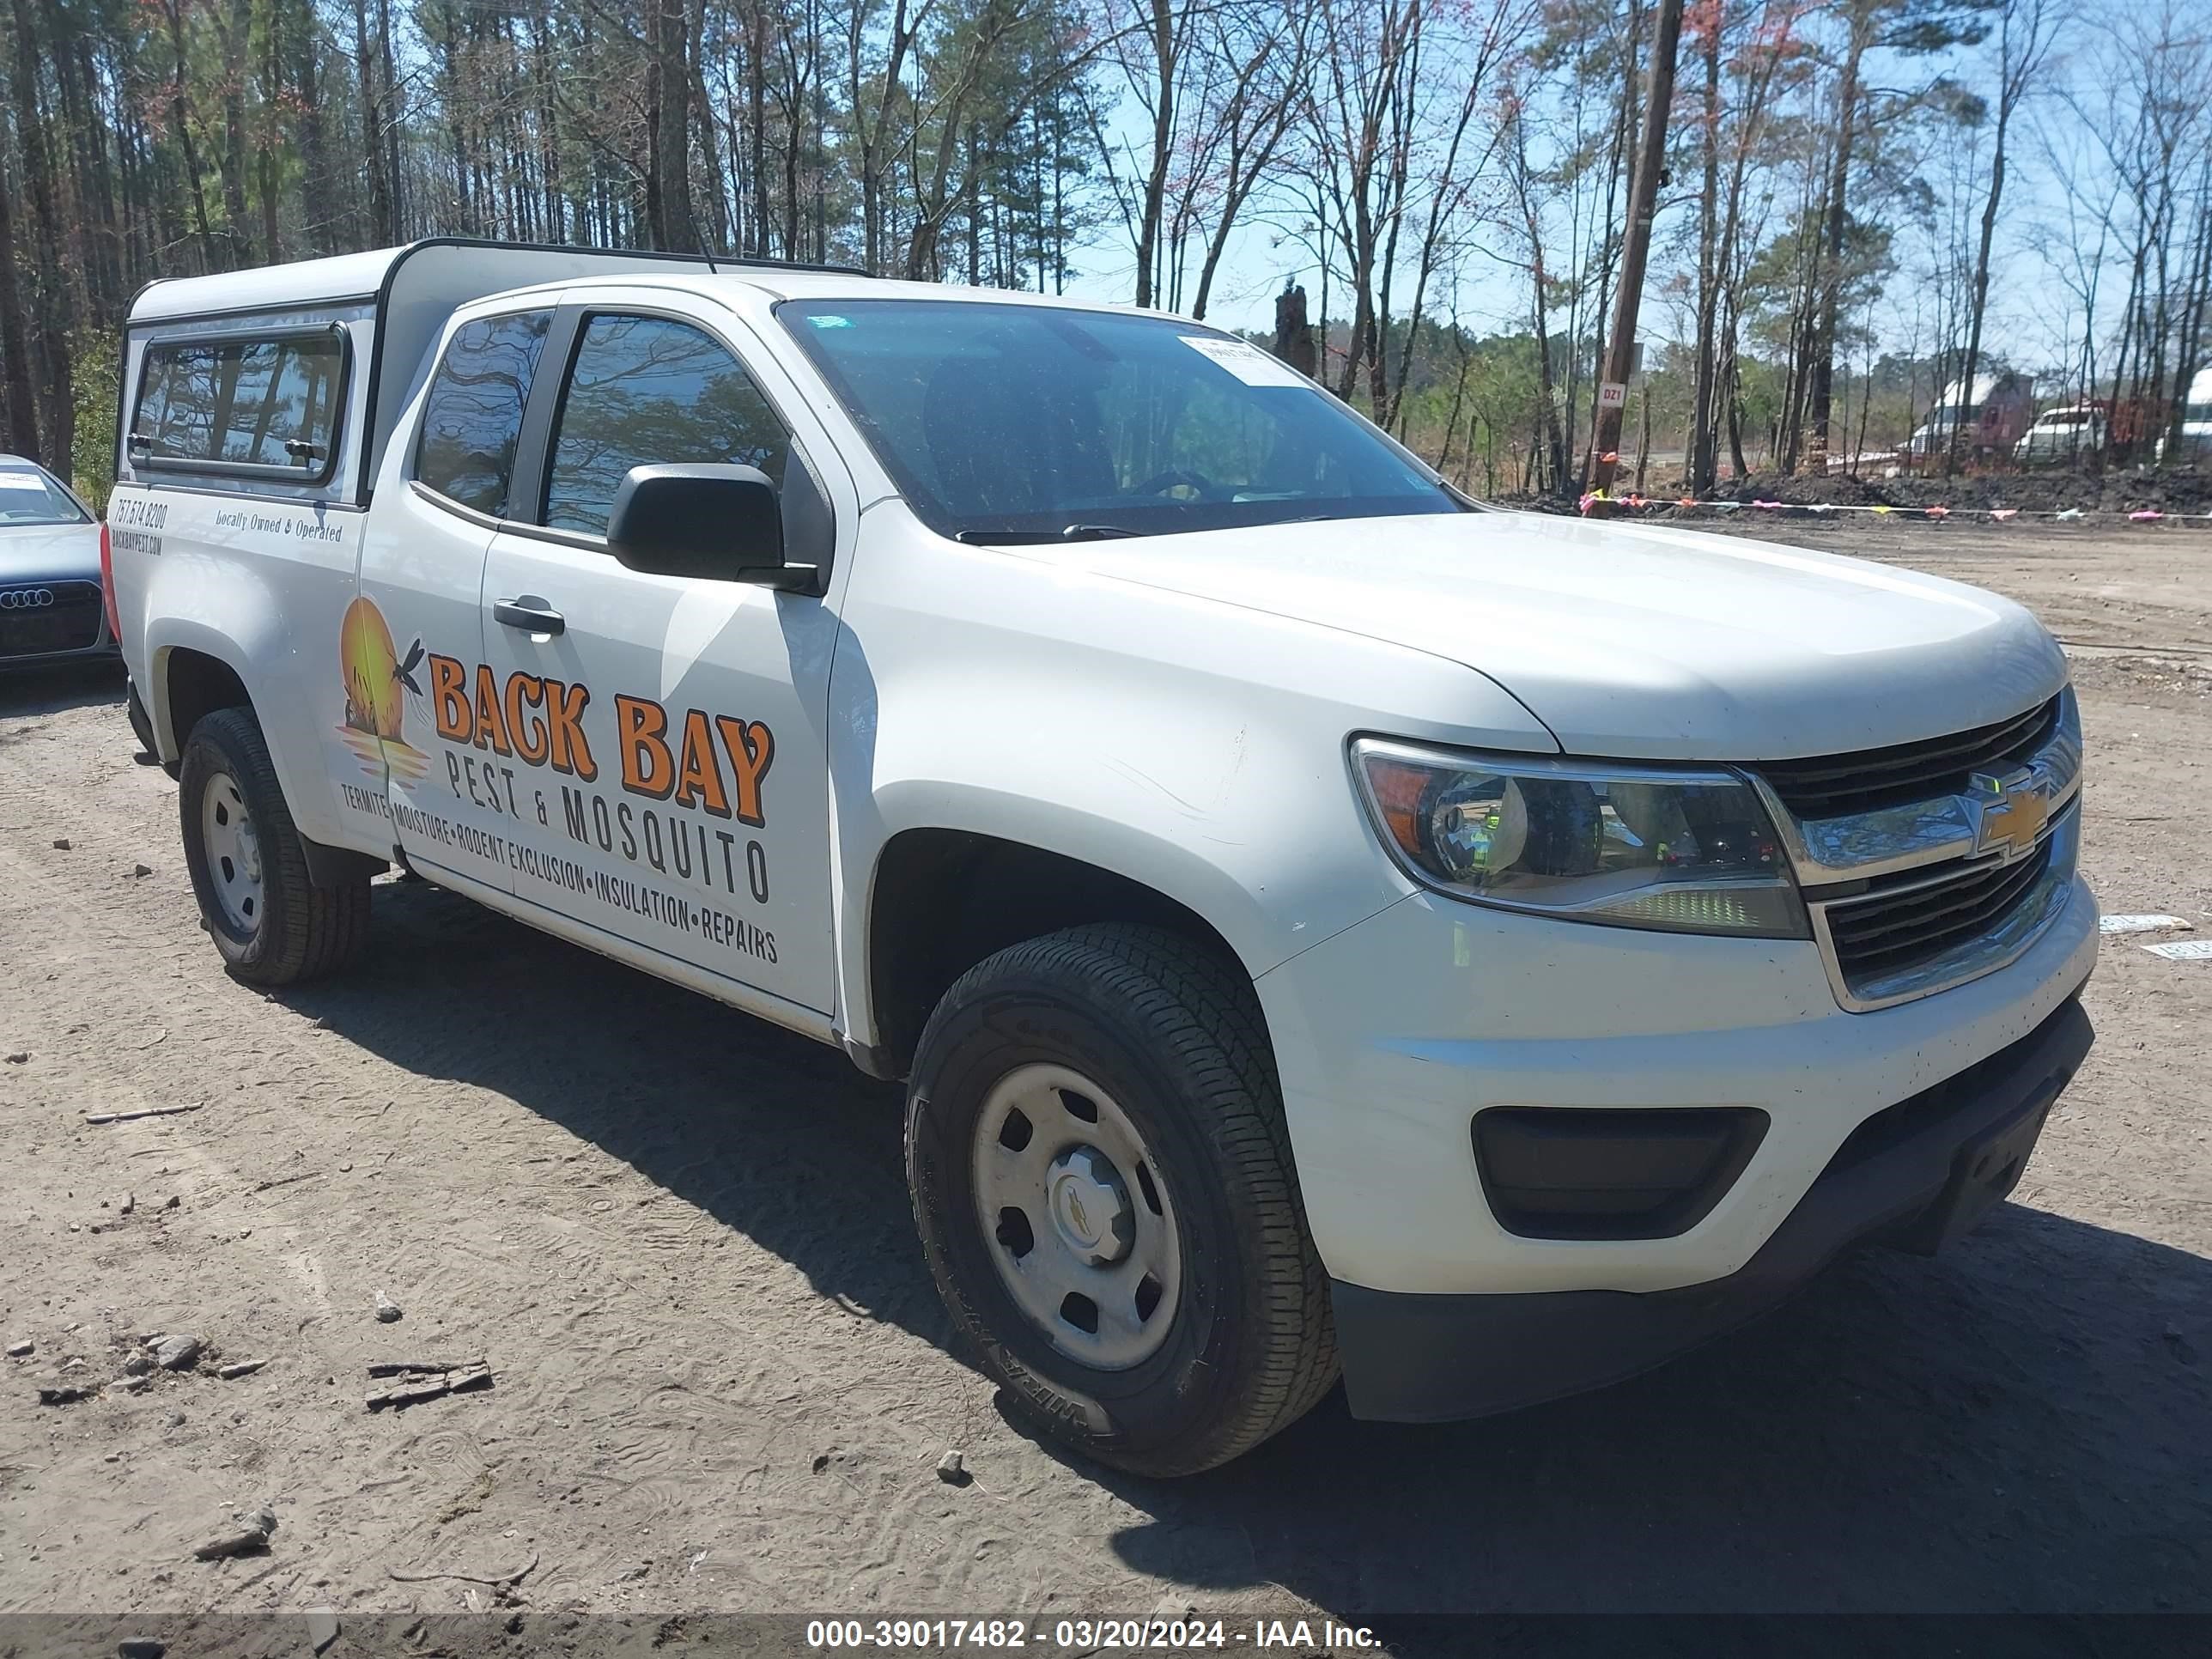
(472, 413)
(261, 406)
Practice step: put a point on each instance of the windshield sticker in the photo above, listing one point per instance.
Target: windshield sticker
(821, 321)
(1245, 361)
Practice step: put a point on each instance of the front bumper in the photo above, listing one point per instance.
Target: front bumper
(1391, 1036)
(26, 648)
(1916, 1175)
(100, 650)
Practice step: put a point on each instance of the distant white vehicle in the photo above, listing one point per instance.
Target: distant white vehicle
(2196, 422)
(2060, 436)
(1994, 416)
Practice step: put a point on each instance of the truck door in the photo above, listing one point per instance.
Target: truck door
(414, 639)
(670, 733)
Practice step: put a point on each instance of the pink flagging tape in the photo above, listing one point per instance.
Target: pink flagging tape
(1884, 509)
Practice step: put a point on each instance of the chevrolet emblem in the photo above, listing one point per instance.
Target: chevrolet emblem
(2013, 810)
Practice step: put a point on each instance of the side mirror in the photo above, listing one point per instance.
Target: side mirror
(706, 520)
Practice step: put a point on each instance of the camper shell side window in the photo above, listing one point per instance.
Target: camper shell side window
(261, 404)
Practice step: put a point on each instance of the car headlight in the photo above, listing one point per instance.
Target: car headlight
(1630, 846)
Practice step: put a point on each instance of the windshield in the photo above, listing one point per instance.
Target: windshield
(1010, 422)
(27, 495)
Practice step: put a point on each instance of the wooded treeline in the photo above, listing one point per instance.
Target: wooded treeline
(1860, 192)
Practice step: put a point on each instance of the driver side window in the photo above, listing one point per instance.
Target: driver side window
(644, 390)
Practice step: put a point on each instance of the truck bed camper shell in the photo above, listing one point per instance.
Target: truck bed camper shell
(361, 325)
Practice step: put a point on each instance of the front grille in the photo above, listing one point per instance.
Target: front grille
(1890, 932)
(71, 622)
(1833, 786)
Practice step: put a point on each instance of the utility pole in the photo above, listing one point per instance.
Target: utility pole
(1635, 249)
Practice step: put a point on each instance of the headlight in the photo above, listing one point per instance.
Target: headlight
(1634, 847)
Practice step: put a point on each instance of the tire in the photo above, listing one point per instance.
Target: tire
(1171, 1034)
(280, 929)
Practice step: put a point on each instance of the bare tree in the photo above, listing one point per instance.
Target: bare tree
(1548, 448)
(1257, 67)
(2025, 30)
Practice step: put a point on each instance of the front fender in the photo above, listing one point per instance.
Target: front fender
(1267, 905)
(1236, 805)
(1193, 746)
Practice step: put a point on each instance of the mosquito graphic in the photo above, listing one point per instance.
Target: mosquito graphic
(403, 675)
(366, 711)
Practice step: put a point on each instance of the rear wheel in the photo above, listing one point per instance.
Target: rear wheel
(1103, 1184)
(271, 923)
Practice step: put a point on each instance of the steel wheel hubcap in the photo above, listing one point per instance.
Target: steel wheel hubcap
(233, 852)
(1076, 1217)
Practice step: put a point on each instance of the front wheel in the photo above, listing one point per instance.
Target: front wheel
(1103, 1182)
(267, 917)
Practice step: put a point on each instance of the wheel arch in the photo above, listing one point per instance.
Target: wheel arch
(941, 899)
(189, 683)
(252, 662)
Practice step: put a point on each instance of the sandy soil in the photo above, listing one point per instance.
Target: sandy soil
(722, 1381)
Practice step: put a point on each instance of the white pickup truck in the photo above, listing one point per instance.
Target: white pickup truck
(1326, 926)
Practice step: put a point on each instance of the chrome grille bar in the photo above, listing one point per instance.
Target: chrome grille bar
(1910, 896)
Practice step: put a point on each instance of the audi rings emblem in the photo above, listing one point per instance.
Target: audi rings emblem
(26, 598)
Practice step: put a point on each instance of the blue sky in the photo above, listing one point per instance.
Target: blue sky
(2033, 317)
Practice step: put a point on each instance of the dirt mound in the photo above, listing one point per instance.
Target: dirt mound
(2176, 490)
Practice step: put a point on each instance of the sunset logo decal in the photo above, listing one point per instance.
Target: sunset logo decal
(378, 681)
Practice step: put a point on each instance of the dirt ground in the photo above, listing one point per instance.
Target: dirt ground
(680, 1239)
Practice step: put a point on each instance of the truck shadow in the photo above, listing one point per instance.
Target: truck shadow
(2020, 1426)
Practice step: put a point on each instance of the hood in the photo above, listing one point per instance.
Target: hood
(49, 552)
(1635, 641)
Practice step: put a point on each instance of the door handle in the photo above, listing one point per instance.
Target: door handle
(529, 613)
